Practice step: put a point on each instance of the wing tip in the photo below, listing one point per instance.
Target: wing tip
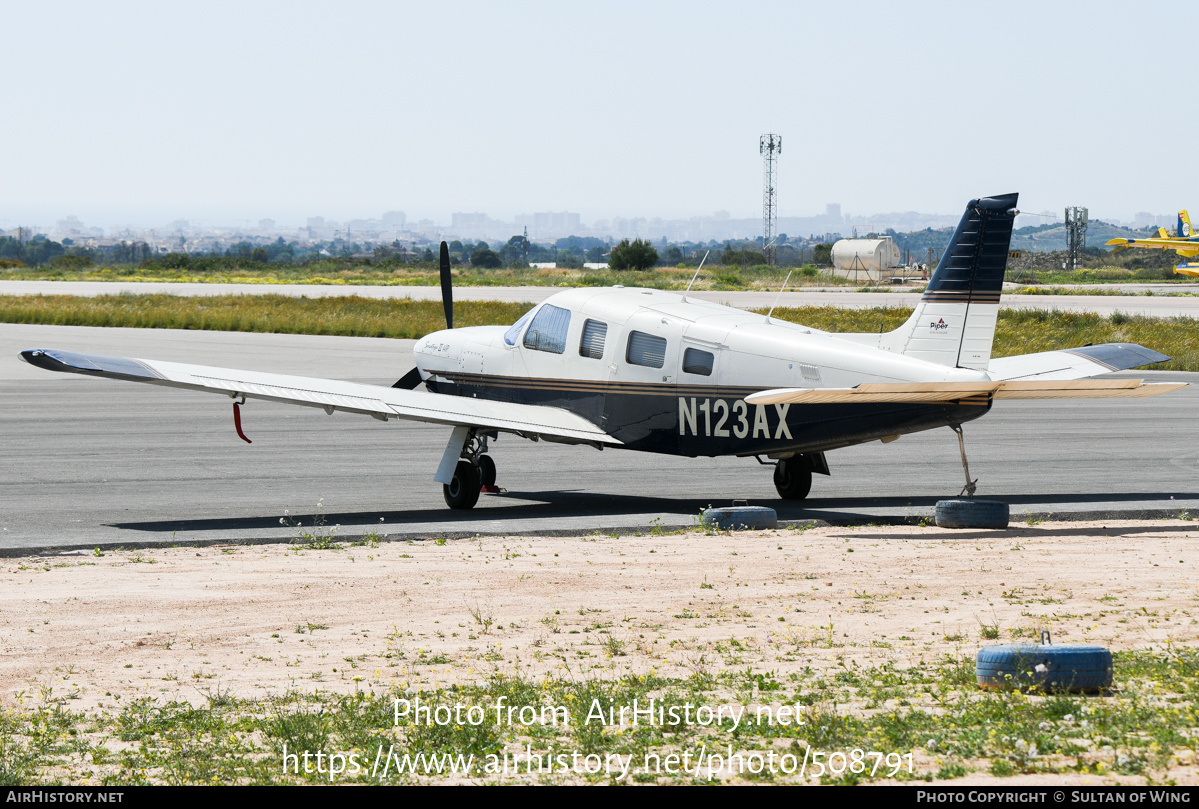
(74, 362)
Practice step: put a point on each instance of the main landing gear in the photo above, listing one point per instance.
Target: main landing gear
(793, 477)
(474, 473)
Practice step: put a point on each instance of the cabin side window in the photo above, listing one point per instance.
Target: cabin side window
(646, 349)
(698, 362)
(592, 343)
(547, 332)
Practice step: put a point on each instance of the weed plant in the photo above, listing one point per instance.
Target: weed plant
(932, 710)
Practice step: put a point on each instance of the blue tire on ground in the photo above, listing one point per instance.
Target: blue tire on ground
(740, 517)
(970, 513)
(1045, 667)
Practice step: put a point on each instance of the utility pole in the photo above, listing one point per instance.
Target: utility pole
(769, 146)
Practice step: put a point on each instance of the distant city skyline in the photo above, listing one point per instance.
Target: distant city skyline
(137, 112)
(393, 229)
(556, 224)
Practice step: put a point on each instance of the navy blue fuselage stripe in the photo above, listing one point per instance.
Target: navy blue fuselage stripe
(724, 424)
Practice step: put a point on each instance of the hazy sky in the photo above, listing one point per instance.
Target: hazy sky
(221, 112)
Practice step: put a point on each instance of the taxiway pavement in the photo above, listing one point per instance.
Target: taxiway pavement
(90, 462)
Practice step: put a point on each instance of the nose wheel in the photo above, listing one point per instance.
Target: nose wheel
(462, 492)
(486, 471)
(474, 473)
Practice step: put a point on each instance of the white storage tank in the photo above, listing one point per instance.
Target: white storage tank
(866, 259)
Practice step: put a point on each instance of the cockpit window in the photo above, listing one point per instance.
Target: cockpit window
(513, 333)
(547, 332)
(592, 343)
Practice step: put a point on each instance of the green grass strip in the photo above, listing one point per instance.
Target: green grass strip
(1018, 331)
(279, 314)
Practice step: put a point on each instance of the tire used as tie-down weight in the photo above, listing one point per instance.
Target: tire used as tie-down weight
(740, 517)
(971, 513)
(1045, 667)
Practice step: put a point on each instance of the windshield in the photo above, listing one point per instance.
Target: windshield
(513, 333)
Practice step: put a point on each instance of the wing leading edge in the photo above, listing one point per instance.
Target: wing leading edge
(331, 395)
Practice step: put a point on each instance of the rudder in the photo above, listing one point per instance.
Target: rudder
(954, 322)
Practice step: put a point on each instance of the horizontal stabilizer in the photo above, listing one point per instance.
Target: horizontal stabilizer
(889, 392)
(1075, 363)
(330, 394)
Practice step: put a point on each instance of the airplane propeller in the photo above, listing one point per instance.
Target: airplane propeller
(447, 288)
(411, 379)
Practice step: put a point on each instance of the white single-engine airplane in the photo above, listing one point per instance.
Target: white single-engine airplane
(648, 370)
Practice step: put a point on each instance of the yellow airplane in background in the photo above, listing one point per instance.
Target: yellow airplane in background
(1184, 242)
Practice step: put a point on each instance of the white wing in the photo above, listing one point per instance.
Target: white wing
(375, 400)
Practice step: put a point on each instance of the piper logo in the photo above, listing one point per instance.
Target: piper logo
(939, 325)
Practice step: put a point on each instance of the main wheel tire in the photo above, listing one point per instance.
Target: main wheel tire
(972, 514)
(486, 470)
(462, 492)
(792, 478)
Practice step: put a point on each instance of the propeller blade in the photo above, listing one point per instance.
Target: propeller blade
(447, 287)
(409, 380)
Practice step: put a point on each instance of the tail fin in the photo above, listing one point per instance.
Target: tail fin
(954, 322)
(1185, 231)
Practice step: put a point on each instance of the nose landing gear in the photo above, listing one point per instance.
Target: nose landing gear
(475, 473)
(486, 472)
(462, 492)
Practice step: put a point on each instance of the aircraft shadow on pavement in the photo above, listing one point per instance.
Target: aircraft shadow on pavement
(523, 507)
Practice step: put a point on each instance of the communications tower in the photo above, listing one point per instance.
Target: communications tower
(1076, 236)
(770, 146)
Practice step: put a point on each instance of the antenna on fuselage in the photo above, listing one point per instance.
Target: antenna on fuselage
(697, 269)
(776, 297)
